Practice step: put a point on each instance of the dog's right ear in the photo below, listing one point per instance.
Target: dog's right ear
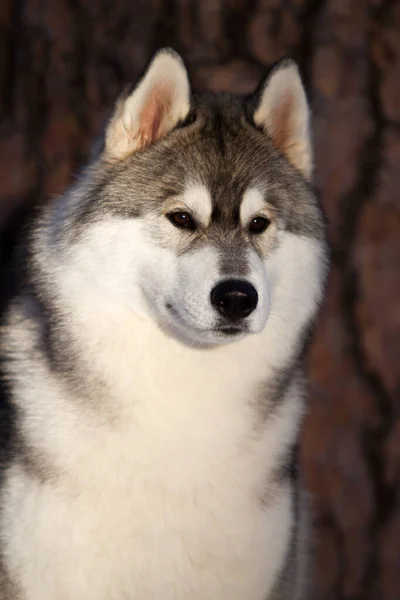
(159, 101)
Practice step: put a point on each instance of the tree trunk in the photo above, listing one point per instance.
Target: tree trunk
(62, 64)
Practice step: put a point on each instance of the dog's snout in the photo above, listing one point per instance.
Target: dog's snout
(234, 299)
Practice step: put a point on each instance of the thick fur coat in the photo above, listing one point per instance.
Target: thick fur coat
(152, 356)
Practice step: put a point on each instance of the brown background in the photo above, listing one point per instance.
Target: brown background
(63, 62)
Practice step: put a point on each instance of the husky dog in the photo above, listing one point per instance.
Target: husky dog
(152, 355)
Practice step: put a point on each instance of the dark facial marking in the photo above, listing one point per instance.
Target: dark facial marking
(233, 256)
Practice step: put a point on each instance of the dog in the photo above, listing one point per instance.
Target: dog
(152, 355)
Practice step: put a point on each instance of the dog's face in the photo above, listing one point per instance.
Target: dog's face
(195, 204)
(202, 270)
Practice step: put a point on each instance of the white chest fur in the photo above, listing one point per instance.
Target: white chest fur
(160, 492)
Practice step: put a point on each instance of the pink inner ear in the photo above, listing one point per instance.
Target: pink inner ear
(154, 115)
(280, 122)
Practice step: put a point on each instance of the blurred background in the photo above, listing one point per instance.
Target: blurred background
(62, 64)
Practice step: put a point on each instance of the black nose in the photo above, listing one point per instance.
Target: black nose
(234, 299)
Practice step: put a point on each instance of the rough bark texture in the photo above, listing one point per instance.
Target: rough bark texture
(62, 64)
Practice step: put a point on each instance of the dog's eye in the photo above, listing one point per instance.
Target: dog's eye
(259, 225)
(182, 220)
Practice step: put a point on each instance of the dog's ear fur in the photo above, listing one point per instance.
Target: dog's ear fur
(159, 101)
(282, 112)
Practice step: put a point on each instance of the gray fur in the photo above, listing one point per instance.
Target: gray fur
(219, 147)
(293, 582)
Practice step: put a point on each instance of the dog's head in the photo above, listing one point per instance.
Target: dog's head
(199, 212)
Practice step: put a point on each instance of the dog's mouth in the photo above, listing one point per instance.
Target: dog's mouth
(222, 329)
(230, 330)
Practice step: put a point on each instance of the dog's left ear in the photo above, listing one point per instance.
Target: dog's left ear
(282, 112)
(160, 100)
